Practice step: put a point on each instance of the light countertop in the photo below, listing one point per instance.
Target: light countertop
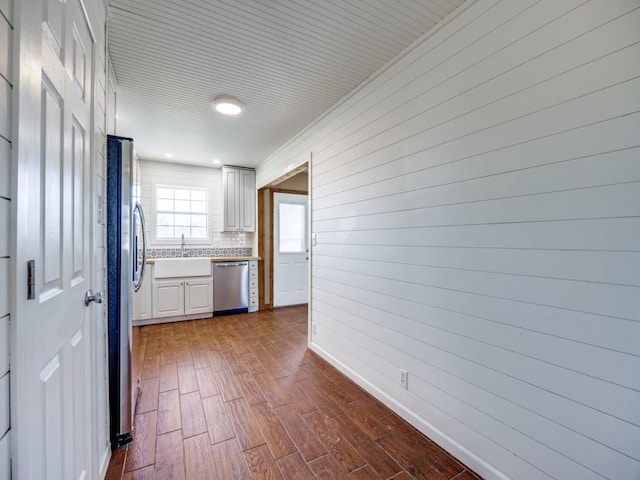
(213, 259)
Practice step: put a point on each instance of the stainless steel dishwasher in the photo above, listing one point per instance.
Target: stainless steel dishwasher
(231, 287)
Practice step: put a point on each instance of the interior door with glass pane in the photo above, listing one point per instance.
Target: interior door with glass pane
(290, 250)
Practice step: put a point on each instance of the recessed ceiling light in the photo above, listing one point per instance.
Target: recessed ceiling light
(168, 155)
(227, 105)
(216, 161)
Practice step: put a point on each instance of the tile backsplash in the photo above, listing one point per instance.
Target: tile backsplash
(227, 244)
(232, 239)
(199, 252)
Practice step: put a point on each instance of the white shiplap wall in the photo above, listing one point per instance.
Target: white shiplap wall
(477, 210)
(166, 173)
(6, 79)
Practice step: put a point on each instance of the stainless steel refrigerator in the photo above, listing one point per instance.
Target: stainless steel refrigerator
(126, 255)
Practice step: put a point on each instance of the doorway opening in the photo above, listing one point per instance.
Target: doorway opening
(285, 199)
(290, 249)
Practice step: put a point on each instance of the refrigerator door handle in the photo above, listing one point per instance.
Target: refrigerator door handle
(143, 267)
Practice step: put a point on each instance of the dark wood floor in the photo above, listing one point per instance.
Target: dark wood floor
(241, 397)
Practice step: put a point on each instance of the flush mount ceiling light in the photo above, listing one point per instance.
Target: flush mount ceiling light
(227, 105)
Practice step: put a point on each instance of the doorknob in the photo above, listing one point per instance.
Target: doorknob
(92, 297)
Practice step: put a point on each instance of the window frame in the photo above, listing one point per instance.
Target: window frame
(303, 239)
(156, 211)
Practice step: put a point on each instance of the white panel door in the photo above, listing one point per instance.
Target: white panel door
(53, 388)
(290, 249)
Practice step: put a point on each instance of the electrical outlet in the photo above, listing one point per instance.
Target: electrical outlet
(404, 379)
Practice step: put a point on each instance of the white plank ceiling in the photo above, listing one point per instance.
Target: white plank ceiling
(287, 61)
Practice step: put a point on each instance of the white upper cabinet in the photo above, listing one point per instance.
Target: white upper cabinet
(238, 199)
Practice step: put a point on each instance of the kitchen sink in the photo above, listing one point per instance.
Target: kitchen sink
(182, 267)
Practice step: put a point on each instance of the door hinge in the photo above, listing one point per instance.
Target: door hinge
(31, 280)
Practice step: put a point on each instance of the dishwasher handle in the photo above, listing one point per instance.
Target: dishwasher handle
(229, 264)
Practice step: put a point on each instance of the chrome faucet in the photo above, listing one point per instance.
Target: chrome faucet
(182, 243)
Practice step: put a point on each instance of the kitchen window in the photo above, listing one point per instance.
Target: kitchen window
(181, 210)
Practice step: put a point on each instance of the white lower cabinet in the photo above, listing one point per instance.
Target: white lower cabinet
(253, 285)
(142, 301)
(198, 295)
(182, 296)
(168, 298)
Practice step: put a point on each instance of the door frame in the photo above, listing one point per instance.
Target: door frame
(273, 228)
(267, 254)
(270, 253)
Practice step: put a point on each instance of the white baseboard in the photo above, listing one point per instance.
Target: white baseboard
(466, 456)
(179, 318)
